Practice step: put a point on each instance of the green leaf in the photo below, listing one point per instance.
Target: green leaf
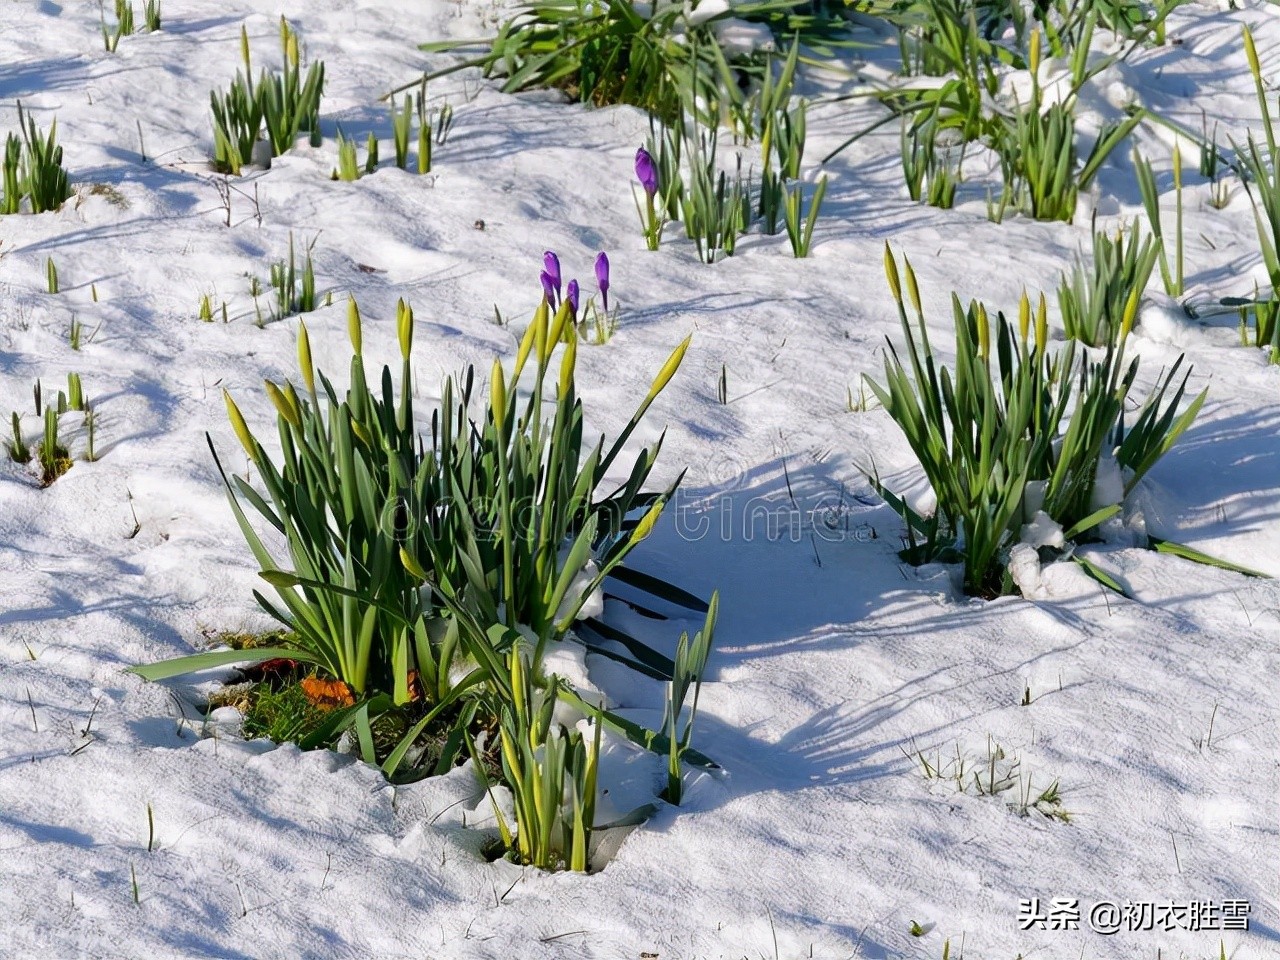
(637, 734)
(1191, 553)
(1091, 521)
(1104, 578)
(194, 663)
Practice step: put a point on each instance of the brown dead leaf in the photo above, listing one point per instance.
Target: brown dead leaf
(327, 694)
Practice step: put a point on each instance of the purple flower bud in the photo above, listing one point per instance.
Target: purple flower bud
(571, 294)
(550, 288)
(551, 263)
(646, 172)
(602, 278)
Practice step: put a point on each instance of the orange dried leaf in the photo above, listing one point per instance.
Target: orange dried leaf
(327, 694)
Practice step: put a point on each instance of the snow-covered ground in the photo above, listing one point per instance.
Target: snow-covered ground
(837, 667)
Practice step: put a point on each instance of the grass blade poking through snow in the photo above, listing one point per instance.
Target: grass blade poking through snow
(32, 169)
(348, 167)
(1263, 175)
(290, 103)
(800, 232)
(1173, 279)
(19, 452)
(54, 458)
(1093, 300)
(551, 772)
(237, 117)
(295, 293)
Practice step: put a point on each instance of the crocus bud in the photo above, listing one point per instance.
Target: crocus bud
(549, 288)
(602, 278)
(646, 172)
(551, 264)
(571, 295)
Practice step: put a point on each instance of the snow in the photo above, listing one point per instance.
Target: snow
(836, 667)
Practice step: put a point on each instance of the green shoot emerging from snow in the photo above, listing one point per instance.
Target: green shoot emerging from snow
(1017, 434)
(32, 169)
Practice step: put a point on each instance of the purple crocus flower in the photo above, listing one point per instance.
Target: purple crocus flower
(602, 278)
(646, 172)
(551, 264)
(571, 294)
(550, 289)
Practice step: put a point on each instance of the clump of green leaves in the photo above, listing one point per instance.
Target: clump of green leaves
(1016, 432)
(282, 713)
(714, 209)
(286, 102)
(348, 165)
(800, 226)
(1065, 22)
(665, 145)
(1042, 170)
(439, 568)
(942, 38)
(75, 393)
(1263, 176)
(1260, 325)
(690, 664)
(717, 207)
(782, 137)
(1093, 299)
(295, 289)
(290, 102)
(123, 28)
(19, 452)
(32, 169)
(970, 46)
(543, 763)
(402, 128)
(54, 458)
(932, 174)
(1257, 165)
(91, 431)
(665, 60)
(1173, 279)
(237, 118)
(151, 15)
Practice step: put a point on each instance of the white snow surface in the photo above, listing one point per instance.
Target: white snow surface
(835, 665)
